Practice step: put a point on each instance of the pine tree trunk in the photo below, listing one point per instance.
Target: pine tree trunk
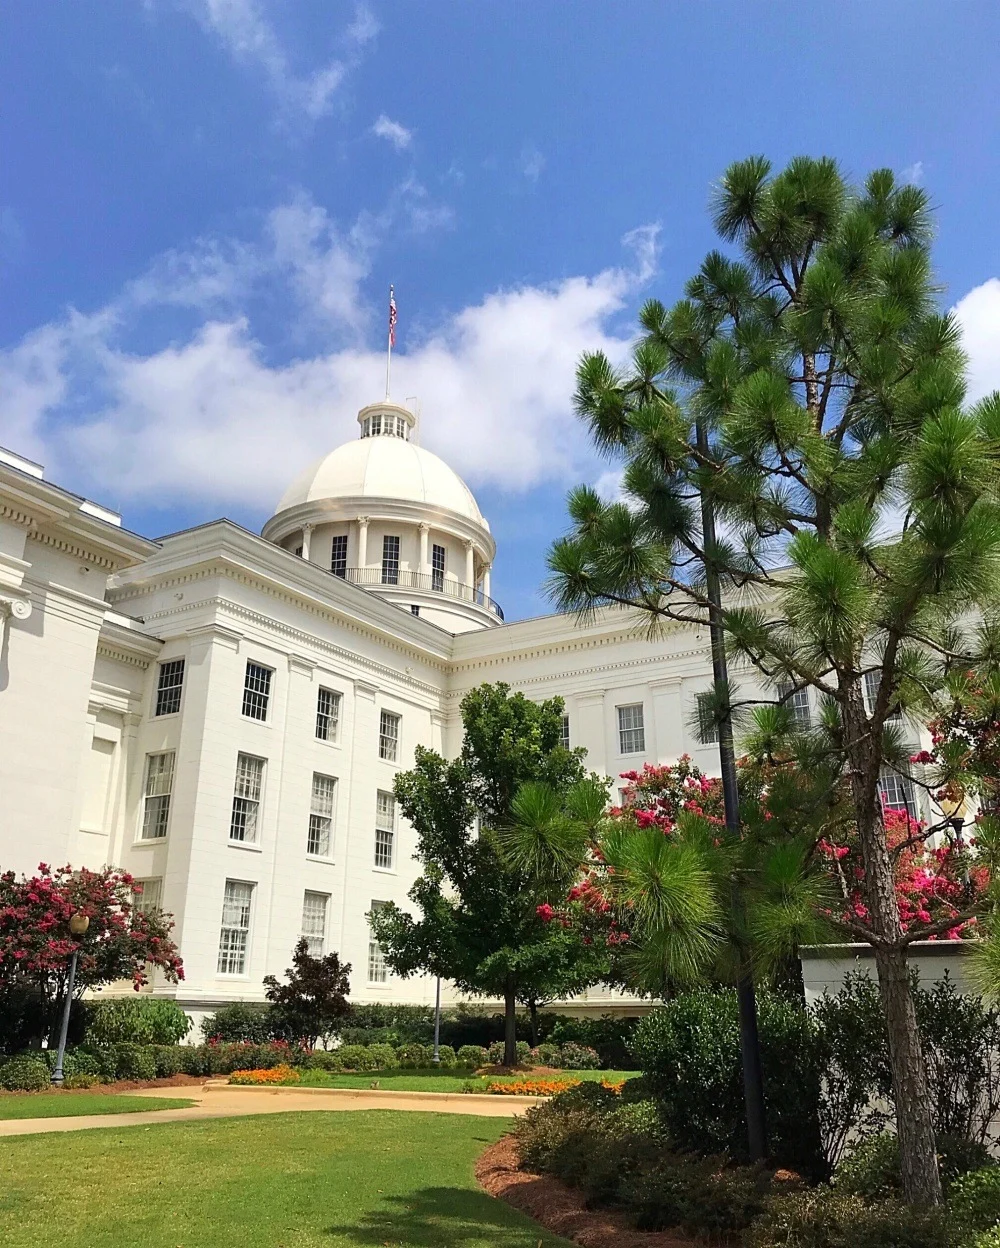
(914, 1124)
(510, 1023)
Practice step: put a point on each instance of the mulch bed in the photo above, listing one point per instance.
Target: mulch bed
(559, 1208)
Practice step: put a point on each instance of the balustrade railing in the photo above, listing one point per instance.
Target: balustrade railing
(431, 582)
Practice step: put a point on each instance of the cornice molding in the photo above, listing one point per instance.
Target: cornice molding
(107, 650)
(16, 516)
(75, 549)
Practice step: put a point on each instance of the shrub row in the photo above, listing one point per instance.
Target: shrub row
(617, 1149)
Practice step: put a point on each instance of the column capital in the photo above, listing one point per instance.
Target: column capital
(362, 519)
(424, 527)
(16, 605)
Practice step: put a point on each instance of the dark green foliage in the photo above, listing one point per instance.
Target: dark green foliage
(446, 1055)
(547, 1055)
(704, 1196)
(169, 1060)
(828, 1219)
(689, 1051)
(359, 1057)
(240, 1022)
(871, 1167)
(414, 1056)
(610, 1036)
(384, 1056)
(135, 1061)
(472, 1055)
(25, 1073)
(136, 1020)
(25, 1016)
(974, 1199)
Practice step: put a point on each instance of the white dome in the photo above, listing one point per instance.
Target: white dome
(384, 468)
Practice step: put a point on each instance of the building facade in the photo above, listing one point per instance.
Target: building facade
(223, 714)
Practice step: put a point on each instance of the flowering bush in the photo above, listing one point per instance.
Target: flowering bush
(276, 1075)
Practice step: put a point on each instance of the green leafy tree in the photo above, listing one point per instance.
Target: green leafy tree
(312, 1004)
(819, 411)
(476, 900)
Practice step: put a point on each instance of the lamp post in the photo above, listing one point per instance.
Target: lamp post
(436, 1059)
(78, 925)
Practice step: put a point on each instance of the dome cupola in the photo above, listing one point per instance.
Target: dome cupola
(392, 517)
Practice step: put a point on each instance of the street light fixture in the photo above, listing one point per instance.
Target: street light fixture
(78, 925)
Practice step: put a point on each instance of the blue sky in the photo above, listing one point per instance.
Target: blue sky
(202, 203)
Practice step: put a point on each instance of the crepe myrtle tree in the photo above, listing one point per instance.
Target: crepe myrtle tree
(819, 408)
(476, 898)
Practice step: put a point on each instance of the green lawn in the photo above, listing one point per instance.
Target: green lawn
(316, 1180)
(72, 1104)
(442, 1081)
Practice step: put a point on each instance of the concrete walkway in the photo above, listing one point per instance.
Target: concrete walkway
(220, 1100)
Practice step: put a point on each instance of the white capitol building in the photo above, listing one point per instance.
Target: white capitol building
(223, 714)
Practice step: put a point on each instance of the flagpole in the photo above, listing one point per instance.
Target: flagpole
(388, 351)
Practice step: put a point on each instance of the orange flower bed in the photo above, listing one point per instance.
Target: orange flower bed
(278, 1074)
(531, 1087)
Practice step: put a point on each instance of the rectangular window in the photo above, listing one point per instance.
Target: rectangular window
(414, 609)
(246, 799)
(388, 736)
(797, 701)
(897, 793)
(873, 681)
(327, 714)
(631, 730)
(168, 687)
(314, 907)
(385, 830)
(324, 792)
(377, 971)
(564, 733)
(338, 555)
(708, 728)
(390, 560)
(156, 802)
(235, 935)
(147, 895)
(437, 568)
(256, 691)
(376, 425)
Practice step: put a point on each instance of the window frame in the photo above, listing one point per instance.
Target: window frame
(870, 684)
(148, 798)
(246, 930)
(381, 808)
(438, 566)
(708, 728)
(263, 695)
(141, 901)
(309, 894)
(564, 732)
(376, 954)
(798, 702)
(887, 778)
(338, 546)
(389, 741)
(638, 730)
(254, 803)
(331, 715)
(317, 815)
(162, 689)
(390, 558)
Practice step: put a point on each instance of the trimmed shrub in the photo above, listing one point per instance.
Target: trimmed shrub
(136, 1020)
(641, 1118)
(25, 1073)
(358, 1057)
(242, 1022)
(472, 1055)
(523, 1050)
(100, 1060)
(704, 1196)
(446, 1056)
(974, 1199)
(611, 1037)
(135, 1061)
(169, 1060)
(384, 1057)
(824, 1218)
(86, 1063)
(573, 1056)
(79, 1081)
(547, 1055)
(414, 1056)
(494, 1054)
(871, 1168)
(690, 1051)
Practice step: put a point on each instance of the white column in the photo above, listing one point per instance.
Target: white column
(307, 532)
(362, 541)
(486, 580)
(470, 568)
(424, 532)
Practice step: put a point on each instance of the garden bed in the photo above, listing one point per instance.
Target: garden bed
(559, 1208)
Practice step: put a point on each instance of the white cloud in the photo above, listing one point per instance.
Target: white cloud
(245, 31)
(209, 420)
(397, 135)
(913, 173)
(978, 313)
(532, 162)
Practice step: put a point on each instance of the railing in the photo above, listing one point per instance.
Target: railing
(402, 578)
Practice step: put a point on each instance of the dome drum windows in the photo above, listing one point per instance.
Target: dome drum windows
(385, 424)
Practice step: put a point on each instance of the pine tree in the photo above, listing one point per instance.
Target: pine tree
(820, 410)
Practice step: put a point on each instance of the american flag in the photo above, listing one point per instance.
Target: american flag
(392, 318)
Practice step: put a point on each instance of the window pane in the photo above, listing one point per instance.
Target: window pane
(564, 732)
(377, 971)
(897, 793)
(235, 932)
(388, 736)
(147, 894)
(314, 907)
(872, 683)
(385, 830)
(797, 701)
(390, 560)
(256, 691)
(168, 687)
(327, 714)
(437, 568)
(320, 836)
(156, 801)
(631, 730)
(338, 555)
(246, 798)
